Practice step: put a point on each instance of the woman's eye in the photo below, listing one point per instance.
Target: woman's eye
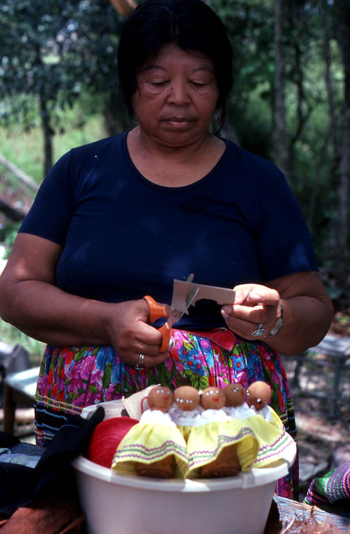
(198, 84)
(159, 84)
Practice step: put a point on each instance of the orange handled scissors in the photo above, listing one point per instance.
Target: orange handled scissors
(157, 311)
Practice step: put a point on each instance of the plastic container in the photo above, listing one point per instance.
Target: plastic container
(126, 504)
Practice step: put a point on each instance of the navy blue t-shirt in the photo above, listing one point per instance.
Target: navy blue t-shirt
(124, 237)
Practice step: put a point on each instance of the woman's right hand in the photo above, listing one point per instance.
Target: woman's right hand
(31, 301)
(131, 336)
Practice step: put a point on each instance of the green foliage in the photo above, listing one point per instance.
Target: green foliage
(8, 235)
(78, 125)
(11, 335)
(54, 49)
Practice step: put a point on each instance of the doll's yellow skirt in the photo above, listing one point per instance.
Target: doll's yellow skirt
(275, 444)
(148, 443)
(205, 443)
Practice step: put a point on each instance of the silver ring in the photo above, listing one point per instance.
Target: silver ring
(139, 365)
(260, 331)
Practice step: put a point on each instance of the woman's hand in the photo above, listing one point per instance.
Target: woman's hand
(255, 311)
(131, 336)
(307, 312)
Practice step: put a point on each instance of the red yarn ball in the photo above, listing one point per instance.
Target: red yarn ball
(106, 438)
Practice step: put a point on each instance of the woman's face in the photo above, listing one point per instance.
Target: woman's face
(176, 97)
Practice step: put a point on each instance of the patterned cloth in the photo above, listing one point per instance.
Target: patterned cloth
(71, 378)
(331, 487)
(21, 454)
(274, 442)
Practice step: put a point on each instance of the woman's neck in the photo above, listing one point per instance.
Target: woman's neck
(174, 166)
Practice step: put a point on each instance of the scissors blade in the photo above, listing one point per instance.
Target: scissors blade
(181, 303)
(191, 297)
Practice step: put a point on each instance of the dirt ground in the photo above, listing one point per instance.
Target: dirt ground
(324, 438)
(323, 443)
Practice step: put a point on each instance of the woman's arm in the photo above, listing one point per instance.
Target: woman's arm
(307, 311)
(30, 300)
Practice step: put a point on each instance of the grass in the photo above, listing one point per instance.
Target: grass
(11, 335)
(25, 149)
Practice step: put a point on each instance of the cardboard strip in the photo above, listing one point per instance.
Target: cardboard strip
(181, 290)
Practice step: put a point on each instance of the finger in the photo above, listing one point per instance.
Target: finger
(245, 329)
(145, 341)
(269, 298)
(257, 314)
(241, 292)
(251, 294)
(145, 360)
(151, 361)
(249, 330)
(128, 350)
(149, 334)
(151, 350)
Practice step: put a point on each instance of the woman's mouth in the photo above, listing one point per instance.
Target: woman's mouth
(178, 122)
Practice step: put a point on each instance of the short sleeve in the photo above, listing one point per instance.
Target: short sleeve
(285, 244)
(51, 212)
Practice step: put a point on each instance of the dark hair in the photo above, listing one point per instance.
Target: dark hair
(191, 25)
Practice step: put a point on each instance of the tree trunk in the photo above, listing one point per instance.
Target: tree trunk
(22, 176)
(344, 188)
(315, 186)
(280, 130)
(11, 211)
(47, 132)
(343, 38)
(301, 115)
(329, 86)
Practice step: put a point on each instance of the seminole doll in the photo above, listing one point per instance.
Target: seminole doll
(154, 447)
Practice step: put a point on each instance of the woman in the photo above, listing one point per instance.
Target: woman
(123, 217)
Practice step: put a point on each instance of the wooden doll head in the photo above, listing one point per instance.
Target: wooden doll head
(187, 398)
(259, 395)
(212, 398)
(234, 394)
(160, 398)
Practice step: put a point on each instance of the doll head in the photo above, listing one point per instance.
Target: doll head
(259, 395)
(187, 398)
(212, 398)
(160, 398)
(234, 394)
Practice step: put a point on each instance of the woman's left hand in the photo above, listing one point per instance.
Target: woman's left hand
(307, 312)
(255, 311)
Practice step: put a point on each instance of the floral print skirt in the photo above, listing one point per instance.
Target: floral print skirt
(71, 378)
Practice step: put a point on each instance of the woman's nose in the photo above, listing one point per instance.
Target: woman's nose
(178, 93)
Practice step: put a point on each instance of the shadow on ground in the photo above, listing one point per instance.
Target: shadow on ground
(323, 431)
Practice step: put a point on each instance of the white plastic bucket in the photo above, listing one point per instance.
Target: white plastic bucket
(127, 504)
